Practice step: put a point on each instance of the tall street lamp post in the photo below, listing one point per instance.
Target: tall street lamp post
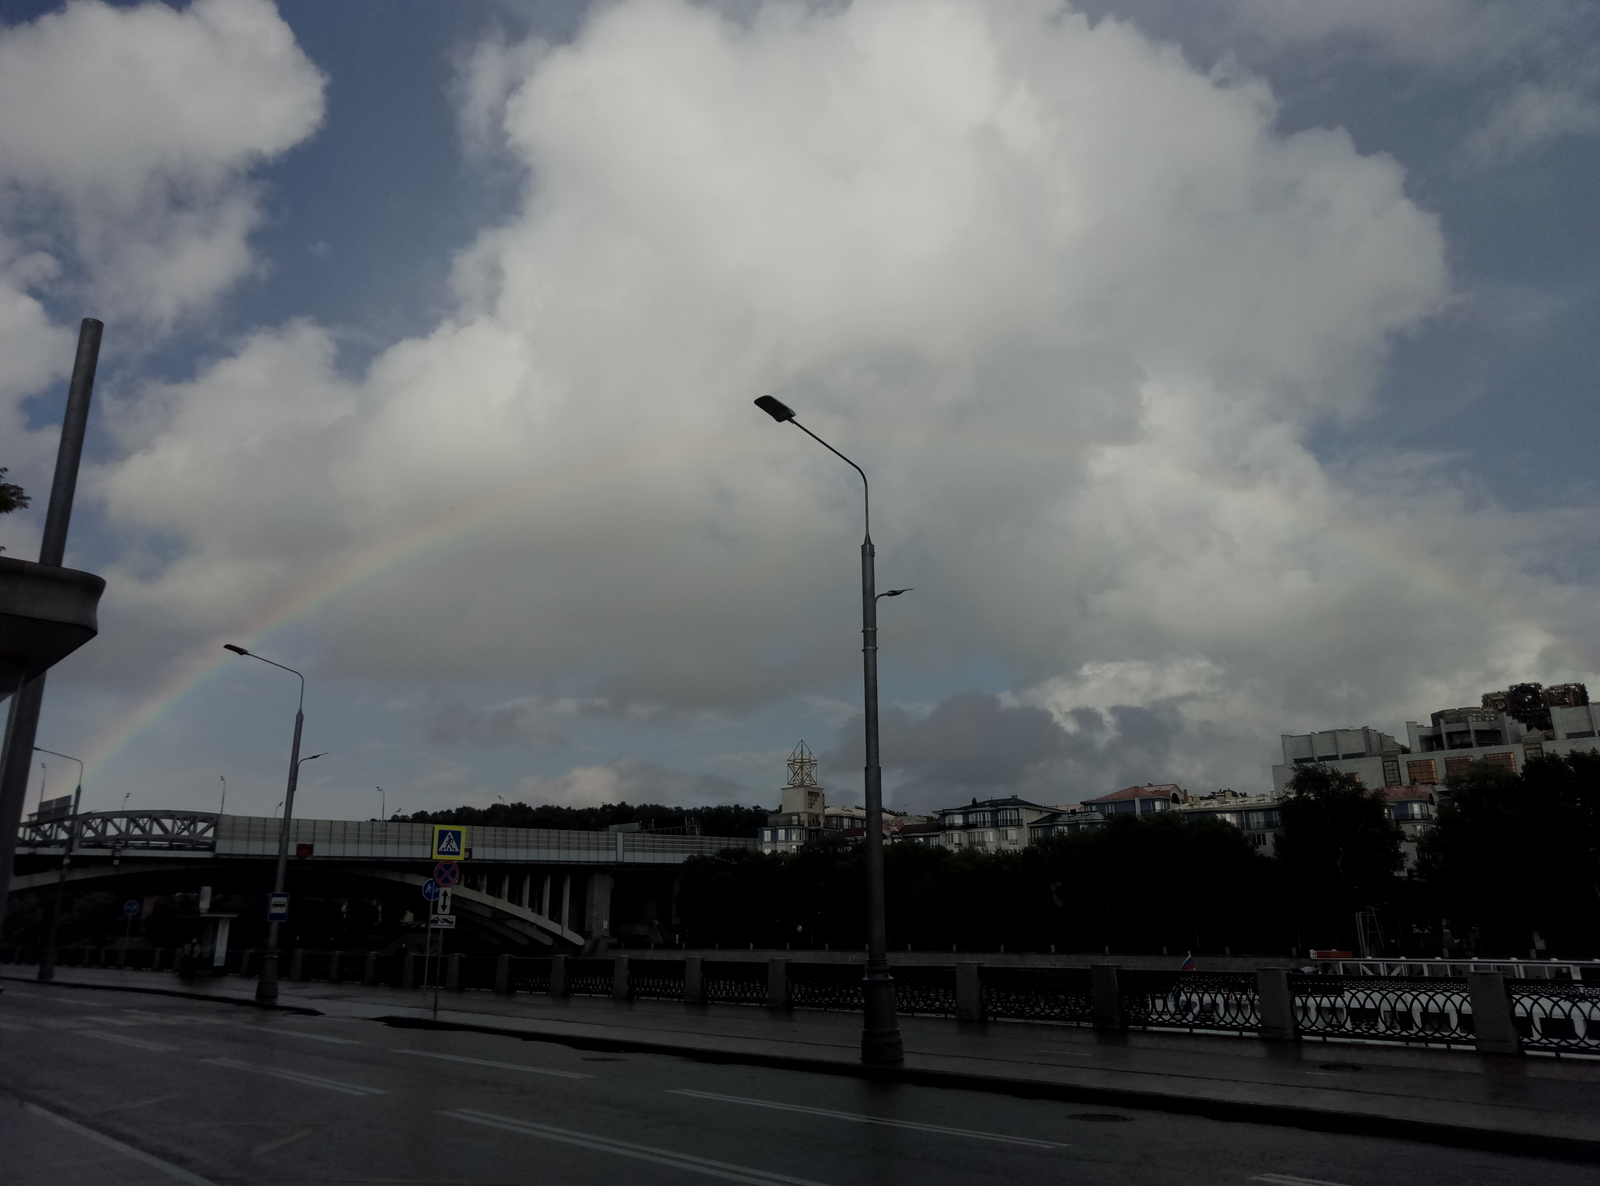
(267, 985)
(880, 1031)
(47, 958)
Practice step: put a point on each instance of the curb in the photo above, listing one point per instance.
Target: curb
(167, 992)
(1517, 1144)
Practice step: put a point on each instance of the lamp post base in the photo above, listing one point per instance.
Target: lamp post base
(47, 967)
(267, 985)
(880, 1031)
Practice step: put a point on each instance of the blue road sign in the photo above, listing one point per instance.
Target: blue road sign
(131, 906)
(430, 890)
(447, 873)
(277, 907)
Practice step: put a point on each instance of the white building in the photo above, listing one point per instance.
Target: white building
(1371, 756)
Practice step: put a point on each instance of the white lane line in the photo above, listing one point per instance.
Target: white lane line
(149, 1159)
(486, 1062)
(667, 1157)
(234, 1064)
(274, 1146)
(124, 1040)
(1291, 1180)
(267, 1029)
(858, 1118)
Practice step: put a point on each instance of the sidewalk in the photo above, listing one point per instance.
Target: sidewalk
(1530, 1105)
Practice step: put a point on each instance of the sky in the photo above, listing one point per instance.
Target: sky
(1223, 369)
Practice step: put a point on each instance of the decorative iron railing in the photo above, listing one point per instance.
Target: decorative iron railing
(656, 980)
(530, 974)
(930, 991)
(1225, 1001)
(1035, 994)
(1425, 1009)
(826, 986)
(590, 977)
(1556, 1015)
(477, 971)
(735, 982)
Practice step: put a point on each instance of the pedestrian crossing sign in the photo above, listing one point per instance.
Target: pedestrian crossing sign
(449, 842)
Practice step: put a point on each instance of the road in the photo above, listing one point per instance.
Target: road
(107, 1088)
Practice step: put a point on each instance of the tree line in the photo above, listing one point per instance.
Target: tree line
(725, 820)
(1510, 855)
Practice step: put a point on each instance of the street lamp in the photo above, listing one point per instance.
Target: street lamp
(880, 1031)
(47, 959)
(223, 806)
(383, 805)
(267, 985)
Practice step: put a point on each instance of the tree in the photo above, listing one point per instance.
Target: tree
(1339, 848)
(1511, 854)
(12, 497)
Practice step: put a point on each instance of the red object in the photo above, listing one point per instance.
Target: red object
(446, 873)
(1331, 955)
(302, 851)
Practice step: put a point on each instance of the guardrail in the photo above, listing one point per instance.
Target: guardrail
(1485, 1011)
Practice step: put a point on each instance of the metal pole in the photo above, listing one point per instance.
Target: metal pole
(22, 723)
(47, 959)
(267, 985)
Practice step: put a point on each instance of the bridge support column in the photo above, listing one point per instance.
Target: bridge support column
(502, 975)
(620, 990)
(1276, 1004)
(452, 973)
(969, 993)
(1105, 997)
(694, 980)
(558, 975)
(408, 970)
(597, 913)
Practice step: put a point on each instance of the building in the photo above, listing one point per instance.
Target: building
(1373, 757)
(1508, 729)
(993, 825)
(802, 815)
(1254, 815)
(1091, 814)
(1412, 808)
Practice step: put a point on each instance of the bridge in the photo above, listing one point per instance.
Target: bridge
(530, 888)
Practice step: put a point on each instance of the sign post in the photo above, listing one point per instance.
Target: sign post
(277, 907)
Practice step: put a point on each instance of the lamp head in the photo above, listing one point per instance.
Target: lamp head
(775, 408)
(228, 646)
(894, 592)
(314, 757)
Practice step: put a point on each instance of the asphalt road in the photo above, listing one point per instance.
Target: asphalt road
(105, 1088)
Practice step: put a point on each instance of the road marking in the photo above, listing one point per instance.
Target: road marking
(296, 1077)
(485, 1062)
(267, 1029)
(124, 1040)
(149, 1159)
(1291, 1180)
(858, 1118)
(273, 1146)
(667, 1157)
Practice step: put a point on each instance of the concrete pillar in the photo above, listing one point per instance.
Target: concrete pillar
(452, 973)
(408, 970)
(619, 977)
(1276, 1005)
(558, 975)
(1105, 997)
(566, 902)
(777, 984)
(369, 969)
(1493, 1031)
(297, 964)
(333, 967)
(969, 992)
(597, 914)
(545, 901)
(694, 980)
(502, 975)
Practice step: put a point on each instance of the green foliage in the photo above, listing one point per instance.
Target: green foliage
(12, 497)
(1512, 854)
(1340, 849)
(1137, 884)
(726, 820)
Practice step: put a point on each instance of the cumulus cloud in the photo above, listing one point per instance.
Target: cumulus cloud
(127, 136)
(629, 780)
(1079, 308)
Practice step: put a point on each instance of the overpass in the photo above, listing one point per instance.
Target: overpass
(531, 888)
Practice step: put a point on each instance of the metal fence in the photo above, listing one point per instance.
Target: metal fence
(1225, 1001)
(658, 980)
(590, 977)
(735, 982)
(930, 991)
(1556, 1015)
(1034, 994)
(530, 974)
(1422, 1009)
(826, 986)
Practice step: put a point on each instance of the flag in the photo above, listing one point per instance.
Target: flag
(1188, 963)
